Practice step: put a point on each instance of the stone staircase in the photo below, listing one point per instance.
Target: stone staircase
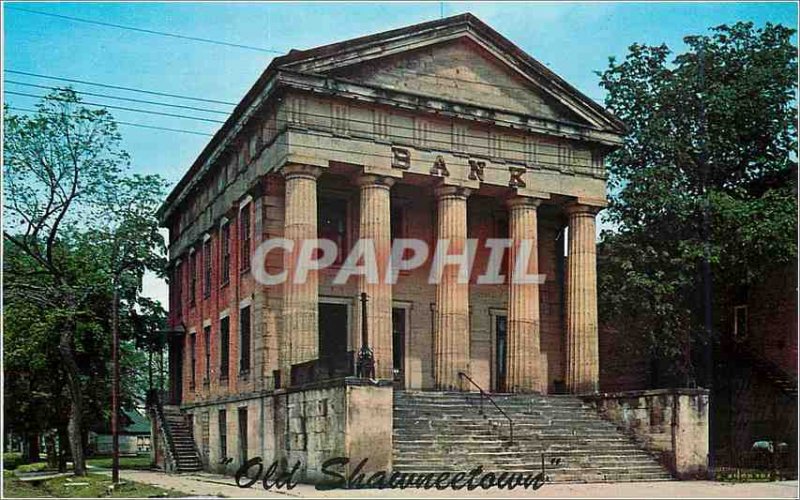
(446, 432)
(183, 451)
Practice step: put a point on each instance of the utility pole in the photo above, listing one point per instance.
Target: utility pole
(115, 383)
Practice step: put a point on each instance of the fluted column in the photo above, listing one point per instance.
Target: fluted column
(523, 355)
(375, 228)
(299, 338)
(581, 301)
(451, 322)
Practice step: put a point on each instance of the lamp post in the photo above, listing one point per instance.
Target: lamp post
(365, 367)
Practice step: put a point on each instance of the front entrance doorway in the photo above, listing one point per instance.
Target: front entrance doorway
(333, 331)
(399, 346)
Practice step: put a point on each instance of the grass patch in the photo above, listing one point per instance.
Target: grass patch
(129, 463)
(34, 467)
(91, 486)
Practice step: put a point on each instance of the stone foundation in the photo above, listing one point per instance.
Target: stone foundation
(671, 422)
(309, 424)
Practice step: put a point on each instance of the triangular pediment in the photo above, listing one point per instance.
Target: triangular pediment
(459, 71)
(461, 60)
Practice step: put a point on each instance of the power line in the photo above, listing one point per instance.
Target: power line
(123, 108)
(132, 89)
(154, 127)
(117, 87)
(130, 99)
(320, 148)
(248, 47)
(148, 31)
(432, 75)
(426, 141)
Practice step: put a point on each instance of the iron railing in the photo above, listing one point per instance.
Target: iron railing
(780, 464)
(485, 395)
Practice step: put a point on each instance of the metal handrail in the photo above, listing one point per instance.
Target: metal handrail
(484, 394)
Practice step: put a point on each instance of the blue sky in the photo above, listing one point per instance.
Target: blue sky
(573, 39)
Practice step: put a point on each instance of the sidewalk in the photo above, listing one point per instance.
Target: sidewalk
(204, 484)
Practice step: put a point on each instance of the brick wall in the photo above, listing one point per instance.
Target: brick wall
(772, 318)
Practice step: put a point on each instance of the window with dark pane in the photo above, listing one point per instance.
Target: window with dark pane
(225, 267)
(244, 238)
(244, 340)
(332, 224)
(224, 347)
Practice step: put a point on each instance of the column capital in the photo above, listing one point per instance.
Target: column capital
(372, 180)
(457, 192)
(294, 170)
(577, 208)
(522, 201)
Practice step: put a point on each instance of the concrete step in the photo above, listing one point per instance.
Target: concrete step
(447, 432)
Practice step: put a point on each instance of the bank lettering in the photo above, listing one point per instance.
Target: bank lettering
(401, 159)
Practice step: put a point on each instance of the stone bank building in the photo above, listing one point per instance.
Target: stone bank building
(443, 129)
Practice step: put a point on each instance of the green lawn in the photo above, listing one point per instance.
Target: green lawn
(129, 463)
(91, 486)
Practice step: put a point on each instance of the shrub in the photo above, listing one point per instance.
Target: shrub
(12, 460)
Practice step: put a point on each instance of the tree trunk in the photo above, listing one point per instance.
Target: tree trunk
(75, 427)
(50, 443)
(63, 444)
(32, 448)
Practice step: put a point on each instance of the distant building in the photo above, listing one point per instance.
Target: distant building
(134, 435)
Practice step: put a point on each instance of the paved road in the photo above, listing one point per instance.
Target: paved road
(211, 485)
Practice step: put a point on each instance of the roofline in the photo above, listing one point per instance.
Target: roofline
(322, 50)
(292, 56)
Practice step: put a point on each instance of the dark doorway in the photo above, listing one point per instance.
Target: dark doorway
(242, 435)
(399, 346)
(500, 353)
(333, 333)
(176, 369)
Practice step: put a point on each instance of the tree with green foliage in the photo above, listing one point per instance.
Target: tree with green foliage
(703, 190)
(83, 231)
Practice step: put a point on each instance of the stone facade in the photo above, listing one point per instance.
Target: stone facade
(439, 130)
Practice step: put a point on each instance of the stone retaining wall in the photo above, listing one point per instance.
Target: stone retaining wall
(310, 424)
(670, 422)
